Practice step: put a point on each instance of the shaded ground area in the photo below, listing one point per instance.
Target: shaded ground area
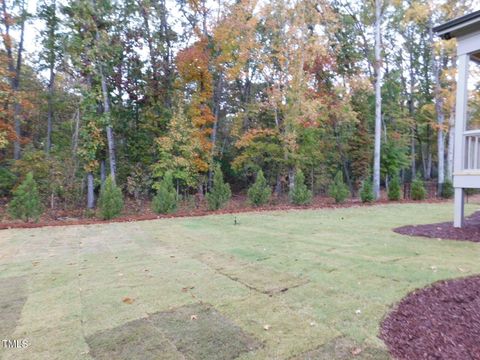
(298, 284)
(445, 230)
(439, 322)
(12, 298)
(195, 331)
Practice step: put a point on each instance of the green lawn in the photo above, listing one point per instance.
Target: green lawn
(310, 284)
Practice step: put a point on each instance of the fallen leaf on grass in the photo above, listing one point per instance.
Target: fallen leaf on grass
(35, 263)
(356, 351)
(128, 300)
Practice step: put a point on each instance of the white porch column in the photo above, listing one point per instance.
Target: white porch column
(460, 114)
(459, 207)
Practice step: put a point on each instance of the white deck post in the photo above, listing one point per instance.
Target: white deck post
(466, 155)
(460, 148)
(459, 207)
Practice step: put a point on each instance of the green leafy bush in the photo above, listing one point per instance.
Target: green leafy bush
(447, 190)
(394, 192)
(139, 181)
(111, 200)
(26, 204)
(366, 192)
(299, 194)
(338, 189)
(418, 189)
(7, 181)
(165, 201)
(52, 175)
(259, 193)
(220, 193)
(41, 167)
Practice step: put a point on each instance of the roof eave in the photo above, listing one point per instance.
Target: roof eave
(459, 26)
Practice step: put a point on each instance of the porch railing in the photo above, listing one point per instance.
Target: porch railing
(472, 150)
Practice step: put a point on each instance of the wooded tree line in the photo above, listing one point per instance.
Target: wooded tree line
(142, 89)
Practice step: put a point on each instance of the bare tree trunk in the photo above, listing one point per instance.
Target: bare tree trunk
(18, 132)
(451, 139)
(15, 68)
(75, 134)
(451, 134)
(278, 185)
(216, 101)
(109, 129)
(103, 175)
(440, 143)
(200, 195)
(414, 156)
(436, 65)
(291, 178)
(106, 110)
(204, 17)
(167, 52)
(429, 164)
(151, 48)
(111, 152)
(90, 191)
(424, 153)
(343, 158)
(378, 99)
(18, 71)
(411, 107)
(51, 85)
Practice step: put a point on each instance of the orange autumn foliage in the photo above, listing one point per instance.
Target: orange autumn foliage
(253, 135)
(7, 133)
(193, 67)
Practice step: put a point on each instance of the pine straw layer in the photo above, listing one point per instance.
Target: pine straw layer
(441, 321)
(142, 211)
(469, 232)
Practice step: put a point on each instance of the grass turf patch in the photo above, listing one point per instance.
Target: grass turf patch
(196, 331)
(13, 295)
(344, 270)
(342, 348)
(252, 275)
(137, 339)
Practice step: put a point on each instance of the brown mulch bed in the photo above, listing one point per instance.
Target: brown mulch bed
(142, 211)
(470, 231)
(441, 321)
